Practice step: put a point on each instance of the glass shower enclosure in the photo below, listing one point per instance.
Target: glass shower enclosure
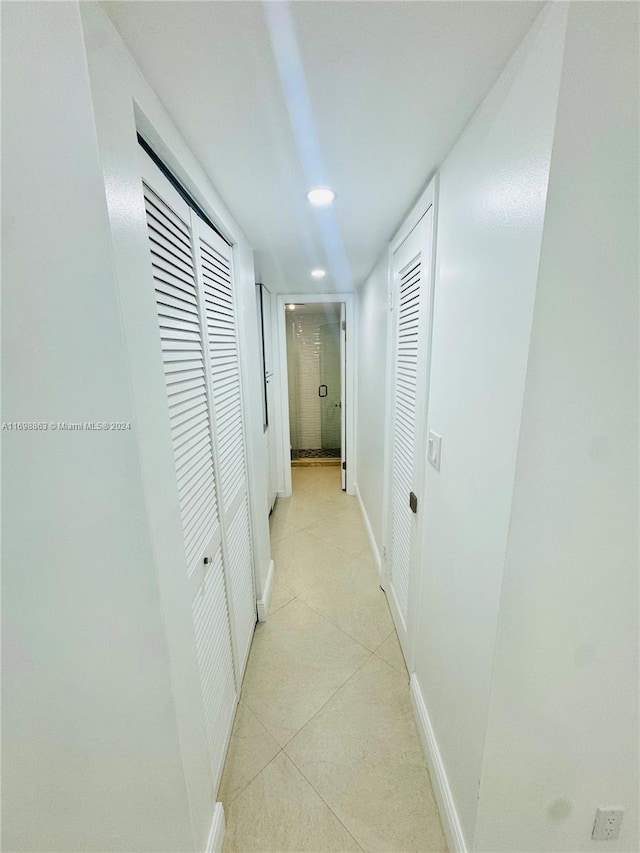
(314, 355)
(330, 398)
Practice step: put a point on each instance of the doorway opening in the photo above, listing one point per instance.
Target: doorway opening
(315, 383)
(317, 394)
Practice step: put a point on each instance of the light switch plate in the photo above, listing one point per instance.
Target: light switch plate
(434, 444)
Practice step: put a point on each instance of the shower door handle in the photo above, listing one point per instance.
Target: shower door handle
(326, 390)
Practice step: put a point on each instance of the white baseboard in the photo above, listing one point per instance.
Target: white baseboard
(398, 621)
(264, 602)
(367, 526)
(448, 812)
(216, 833)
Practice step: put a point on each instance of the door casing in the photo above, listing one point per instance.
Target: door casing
(347, 391)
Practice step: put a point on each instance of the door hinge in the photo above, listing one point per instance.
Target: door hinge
(390, 301)
(344, 325)
(344, 466)
(413, 502)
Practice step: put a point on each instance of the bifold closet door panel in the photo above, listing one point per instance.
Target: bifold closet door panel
(215, 662)
(407, 300)
(215, 272)
(411, 300)
(184, 359)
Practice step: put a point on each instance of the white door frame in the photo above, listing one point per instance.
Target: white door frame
(427, 199)
(348, 390)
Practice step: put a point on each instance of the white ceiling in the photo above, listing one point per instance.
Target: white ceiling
(377, 93)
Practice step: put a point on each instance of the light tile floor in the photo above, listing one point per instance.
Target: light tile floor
(324, 754)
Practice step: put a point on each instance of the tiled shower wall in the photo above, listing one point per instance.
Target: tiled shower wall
(303, 365)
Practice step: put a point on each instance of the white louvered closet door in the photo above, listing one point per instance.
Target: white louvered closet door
(184, 360)
(411, 305)
(215, 270)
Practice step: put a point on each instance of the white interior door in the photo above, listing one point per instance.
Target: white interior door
(214, 270)
(411, 301)
(178, 305)
(343, 396)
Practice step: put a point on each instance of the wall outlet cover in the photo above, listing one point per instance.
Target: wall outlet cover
(606, 826)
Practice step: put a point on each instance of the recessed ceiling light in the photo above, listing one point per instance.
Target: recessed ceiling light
(318, 273)
(321, 196)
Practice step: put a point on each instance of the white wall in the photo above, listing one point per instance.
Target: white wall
(123, 101)
(373, 313)
(91, 757)
(104, 739)
(490, 218)
(527, 636)
(563, 725)
(122, 98)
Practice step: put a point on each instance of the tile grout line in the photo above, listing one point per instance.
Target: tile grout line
(292, 759)
(301, 771)
(340, 628)
(315, 713)
(313, 788)
(319, 541)
(244, 788)
(370, 655)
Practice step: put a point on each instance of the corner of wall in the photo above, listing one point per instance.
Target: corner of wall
(264, 601)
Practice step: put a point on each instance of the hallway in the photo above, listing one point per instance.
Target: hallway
(187, 187)
(324, 754)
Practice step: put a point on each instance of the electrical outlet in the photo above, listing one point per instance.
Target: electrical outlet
(606, 826)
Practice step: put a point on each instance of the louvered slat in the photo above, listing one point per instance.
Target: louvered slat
(225, 372)
(404, 425)
(183, 359)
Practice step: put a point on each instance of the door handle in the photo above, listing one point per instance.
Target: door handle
(326, 390)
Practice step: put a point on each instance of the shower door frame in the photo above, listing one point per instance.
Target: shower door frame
(347, 391)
